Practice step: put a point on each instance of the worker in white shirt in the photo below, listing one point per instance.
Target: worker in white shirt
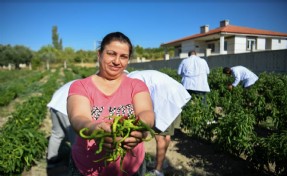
(61, 127)
(168, 97)
(194, 72)
(240, 74)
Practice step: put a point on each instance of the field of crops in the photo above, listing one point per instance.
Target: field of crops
(246, 123)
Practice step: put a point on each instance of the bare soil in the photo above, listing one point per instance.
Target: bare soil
(185, 156)
(190, 156)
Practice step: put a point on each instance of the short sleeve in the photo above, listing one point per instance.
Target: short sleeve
(77, 88)
(139, 86)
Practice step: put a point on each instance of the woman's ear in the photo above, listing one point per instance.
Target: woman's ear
(99, 54)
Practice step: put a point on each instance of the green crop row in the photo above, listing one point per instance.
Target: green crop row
(21, 141)
(22, 83)
(250, 123)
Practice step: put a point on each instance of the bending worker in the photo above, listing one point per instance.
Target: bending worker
(168, 97)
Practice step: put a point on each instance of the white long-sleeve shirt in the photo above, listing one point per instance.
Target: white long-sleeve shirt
(243, 74)
(194, 72)
(59, 98)
(168, 96)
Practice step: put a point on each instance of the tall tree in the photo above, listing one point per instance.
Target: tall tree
(61, 44)
(57, 43)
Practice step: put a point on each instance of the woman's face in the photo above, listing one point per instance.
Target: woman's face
(114, 59)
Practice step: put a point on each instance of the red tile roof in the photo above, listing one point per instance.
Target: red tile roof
(234, 30)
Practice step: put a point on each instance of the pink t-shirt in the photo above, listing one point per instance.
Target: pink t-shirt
(120, 102)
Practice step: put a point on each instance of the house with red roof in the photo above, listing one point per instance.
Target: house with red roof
(228, 39)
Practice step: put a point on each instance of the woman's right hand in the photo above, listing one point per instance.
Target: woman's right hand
(109, 141)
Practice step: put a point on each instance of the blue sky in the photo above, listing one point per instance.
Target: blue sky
(148, 23)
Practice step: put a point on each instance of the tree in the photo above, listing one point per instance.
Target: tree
(5, 51)
(47, 54)
(23, 55)
(57, 43)
(85, 56)
(68, 55)
(139, 51)
(152, 53)
(15, 55)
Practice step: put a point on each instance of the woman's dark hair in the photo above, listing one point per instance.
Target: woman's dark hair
(226, 70)
(116, 36)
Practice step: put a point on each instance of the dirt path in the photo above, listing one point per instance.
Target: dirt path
(189, 156)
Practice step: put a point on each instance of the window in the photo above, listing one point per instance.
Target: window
(211, 46)
(279, 40)
(225, 45)
(251, 44)
(177, 50)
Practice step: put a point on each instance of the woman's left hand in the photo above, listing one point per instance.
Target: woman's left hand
(135, 138)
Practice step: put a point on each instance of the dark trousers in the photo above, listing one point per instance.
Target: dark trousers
(195, 93)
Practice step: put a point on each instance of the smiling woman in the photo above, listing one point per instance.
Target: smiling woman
(94, 99)
(114, 56)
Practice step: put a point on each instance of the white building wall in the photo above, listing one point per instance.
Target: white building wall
(261, 43)
(230, 45)
(284, 43)
(183, 55)
(236, 44)
(221, 45)
(216, 47)
(201, 48)
(277, 44)
(240, 44)
(186, 46)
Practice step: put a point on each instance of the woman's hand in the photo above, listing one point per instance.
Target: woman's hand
(109, 143)
(135, 138)
(129, 143)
